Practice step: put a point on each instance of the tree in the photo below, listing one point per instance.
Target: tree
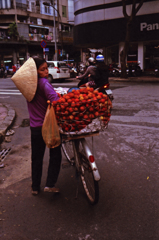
(129, 20)
(13, 32)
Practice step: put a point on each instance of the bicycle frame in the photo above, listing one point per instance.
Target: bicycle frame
(88, 154)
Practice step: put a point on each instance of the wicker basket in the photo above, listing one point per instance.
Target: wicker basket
(75, 115)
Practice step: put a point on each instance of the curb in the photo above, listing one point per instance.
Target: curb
(7, 122)
(135, 79)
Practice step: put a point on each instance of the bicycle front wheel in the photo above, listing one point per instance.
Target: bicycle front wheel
(90, 185)
(67, 148)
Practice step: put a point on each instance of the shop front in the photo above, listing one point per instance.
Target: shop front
(110, 36)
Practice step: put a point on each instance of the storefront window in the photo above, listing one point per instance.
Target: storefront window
(132, 53)
(151, 56)
(112, 55)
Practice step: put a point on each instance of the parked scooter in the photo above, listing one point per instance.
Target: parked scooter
(134, 70)
(157, 72)
(114, 70)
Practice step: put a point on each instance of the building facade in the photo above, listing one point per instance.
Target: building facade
(35, 27)
(101, 25)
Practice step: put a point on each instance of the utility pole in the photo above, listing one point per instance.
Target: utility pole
(15, 7)
(53, 2)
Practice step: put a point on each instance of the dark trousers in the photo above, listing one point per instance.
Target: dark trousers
(38, 149)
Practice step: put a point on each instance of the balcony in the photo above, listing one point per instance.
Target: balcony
(40, 37)
(65, 37)
(21, 6)
(25, 7)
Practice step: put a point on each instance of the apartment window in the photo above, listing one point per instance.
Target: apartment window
(47, 9)
(64, 11)
(32, 7)
(5, 4)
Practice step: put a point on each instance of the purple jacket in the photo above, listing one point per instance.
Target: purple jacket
(38, 106)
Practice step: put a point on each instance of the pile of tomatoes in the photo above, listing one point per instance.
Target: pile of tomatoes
(76, 109)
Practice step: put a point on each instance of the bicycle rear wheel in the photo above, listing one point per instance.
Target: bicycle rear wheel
(90, 185)
(67, 148)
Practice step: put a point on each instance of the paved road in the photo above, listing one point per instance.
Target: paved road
(127, 157)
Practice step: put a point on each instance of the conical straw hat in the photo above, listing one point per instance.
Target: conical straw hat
(26, 79)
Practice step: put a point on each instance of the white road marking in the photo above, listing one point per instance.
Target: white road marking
(10, 92)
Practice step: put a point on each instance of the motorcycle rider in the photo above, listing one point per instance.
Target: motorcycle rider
(100, 75)
(89, 72)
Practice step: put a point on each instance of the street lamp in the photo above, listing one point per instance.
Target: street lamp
(52, 5)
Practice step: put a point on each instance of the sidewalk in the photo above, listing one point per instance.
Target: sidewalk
(7, 115)
(150, 79)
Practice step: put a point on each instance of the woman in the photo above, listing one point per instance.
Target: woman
(37, 109)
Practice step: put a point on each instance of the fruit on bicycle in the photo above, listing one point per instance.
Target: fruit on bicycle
(70, 109)
(85, 116)
(73, 104)
(78, 108)
(91, 115)
(71, 117)
(91, 109)
(82, 109)
(96, 114)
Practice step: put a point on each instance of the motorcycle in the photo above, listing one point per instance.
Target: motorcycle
(83, 81)
(106, 90)
(73, 72)
(81, 69)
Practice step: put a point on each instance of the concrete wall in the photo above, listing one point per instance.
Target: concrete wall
(108, 13)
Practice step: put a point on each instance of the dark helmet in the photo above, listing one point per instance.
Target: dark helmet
(100, 58)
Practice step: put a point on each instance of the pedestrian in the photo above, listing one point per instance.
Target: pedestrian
(14, 69)
(37, 106)
(17, 65)
(2, 71)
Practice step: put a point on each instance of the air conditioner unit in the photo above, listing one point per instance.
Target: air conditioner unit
(39, 21)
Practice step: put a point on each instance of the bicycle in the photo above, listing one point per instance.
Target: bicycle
(78, 153)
